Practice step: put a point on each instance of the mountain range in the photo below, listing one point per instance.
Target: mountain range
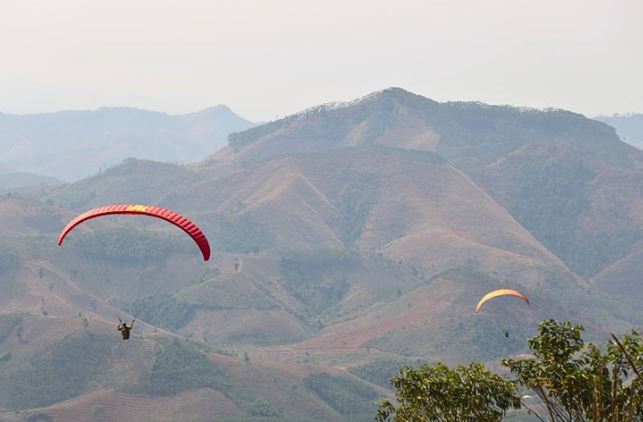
(71, 145)
(348, 239)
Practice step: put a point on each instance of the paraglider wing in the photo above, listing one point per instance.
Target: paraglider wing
(500, 292)
(170, 216)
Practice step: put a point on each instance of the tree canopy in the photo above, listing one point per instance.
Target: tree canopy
(439, 393)
(575, 381)
(564, 379)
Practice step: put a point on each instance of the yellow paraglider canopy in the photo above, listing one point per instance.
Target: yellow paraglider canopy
(500, 292)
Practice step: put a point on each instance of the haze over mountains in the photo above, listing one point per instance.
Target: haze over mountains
(70, 145)
(628, 126)
(348, 239)
(21, 181)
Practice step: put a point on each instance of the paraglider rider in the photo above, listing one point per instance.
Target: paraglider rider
(125, 329)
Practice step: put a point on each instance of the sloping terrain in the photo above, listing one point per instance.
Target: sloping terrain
(418, 211)
(24, 217)
(435, 321)
(628, 126)
(584, 210)
(21, 181)
(457, 131)
(46, 144)
(77, 369)
(12, 181)
(113, 406)
(54, 324)
(623, 279)
(347, 239)
(553, 171)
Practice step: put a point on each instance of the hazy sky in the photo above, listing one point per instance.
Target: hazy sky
(273, 57)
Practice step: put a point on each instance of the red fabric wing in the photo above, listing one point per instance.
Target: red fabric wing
(168, 215)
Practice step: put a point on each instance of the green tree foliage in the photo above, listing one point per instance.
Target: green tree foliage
(65, 370)
(129, 245)
(551, 203)
(179, 366)
(227, 291)
(354, 194)
(566, 380)
(439, 393)
(8, 323)
(380, 372)
(262, 408)
(240, 234)
(317, 278)
(345, 395)
(580, 382)
(163, 310)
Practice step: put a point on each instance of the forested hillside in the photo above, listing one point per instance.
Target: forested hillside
(347, 239)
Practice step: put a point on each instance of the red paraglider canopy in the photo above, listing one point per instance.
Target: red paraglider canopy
(170, 216)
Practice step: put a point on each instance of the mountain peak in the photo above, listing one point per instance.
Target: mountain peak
(386, 94)
(216, 110)
(398, 118)
(392, 91)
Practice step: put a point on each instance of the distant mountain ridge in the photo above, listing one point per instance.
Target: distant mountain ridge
(392, 173)
(481, 139)
(23, 181)
(348, 236)
(456, 130)
(628, 126)
(11, 180)
(70, 145)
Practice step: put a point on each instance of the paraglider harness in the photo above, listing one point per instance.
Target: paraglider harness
(124, 329)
